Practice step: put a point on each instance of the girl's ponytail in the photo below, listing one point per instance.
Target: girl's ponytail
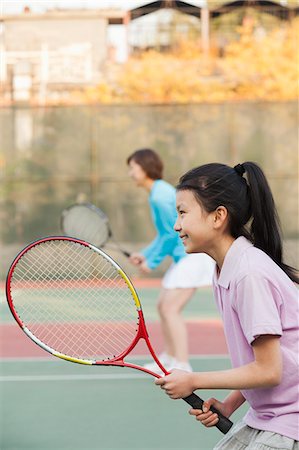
(264, 228)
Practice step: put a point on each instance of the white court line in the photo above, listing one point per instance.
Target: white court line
(111, 376)
(84, 377)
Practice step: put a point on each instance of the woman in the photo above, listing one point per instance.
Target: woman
(184, 275)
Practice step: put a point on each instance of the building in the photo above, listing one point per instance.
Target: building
(45, 56)
(42, 54)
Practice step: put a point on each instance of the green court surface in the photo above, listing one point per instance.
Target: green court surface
(49, 404)
(201, 306)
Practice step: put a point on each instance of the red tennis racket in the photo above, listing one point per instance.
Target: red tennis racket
(76, 303)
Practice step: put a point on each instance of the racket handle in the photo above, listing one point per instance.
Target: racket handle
(224, 424)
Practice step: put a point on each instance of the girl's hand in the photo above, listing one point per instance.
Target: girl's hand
(177, 385)
(207, 417)
(136, 259)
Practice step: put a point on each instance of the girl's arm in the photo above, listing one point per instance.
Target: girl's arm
(264, 372)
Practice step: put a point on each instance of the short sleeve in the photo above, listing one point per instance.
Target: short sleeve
(258, 305)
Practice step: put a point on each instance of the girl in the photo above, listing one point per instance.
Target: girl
(233, 219)
(185, 274)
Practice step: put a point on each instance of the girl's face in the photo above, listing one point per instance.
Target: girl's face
(137, 173)
(194, 224)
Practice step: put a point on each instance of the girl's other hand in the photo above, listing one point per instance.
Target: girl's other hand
(207, 417)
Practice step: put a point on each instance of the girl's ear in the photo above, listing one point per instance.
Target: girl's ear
(220, 217)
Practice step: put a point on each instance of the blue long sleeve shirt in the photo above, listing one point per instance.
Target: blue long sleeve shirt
(163, 210)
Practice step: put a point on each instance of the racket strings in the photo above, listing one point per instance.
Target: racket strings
(74, 300)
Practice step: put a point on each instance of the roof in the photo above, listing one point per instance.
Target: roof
(155, 6)
(267, 6)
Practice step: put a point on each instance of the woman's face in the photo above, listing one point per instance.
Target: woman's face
(137, 173)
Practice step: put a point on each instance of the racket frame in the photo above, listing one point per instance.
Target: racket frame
(116, 361)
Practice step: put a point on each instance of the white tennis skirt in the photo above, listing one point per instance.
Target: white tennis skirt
(192, 271)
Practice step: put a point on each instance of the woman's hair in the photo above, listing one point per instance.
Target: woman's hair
(249, 202)
(150, 162)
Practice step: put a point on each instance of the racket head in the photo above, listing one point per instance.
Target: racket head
(86, 222)
(75, 301)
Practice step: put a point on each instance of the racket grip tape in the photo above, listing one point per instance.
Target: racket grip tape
(224, 424)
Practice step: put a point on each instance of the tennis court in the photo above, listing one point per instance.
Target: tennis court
(49, 404)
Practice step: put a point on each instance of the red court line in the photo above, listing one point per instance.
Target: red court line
(205, 338)
(146, 282)
(140, 283)
(137, 283)
(151, 283)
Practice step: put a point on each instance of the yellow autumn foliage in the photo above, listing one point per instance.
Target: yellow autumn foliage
(263, 67)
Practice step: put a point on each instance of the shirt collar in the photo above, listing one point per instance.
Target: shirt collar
(154, 186)
(231, 261)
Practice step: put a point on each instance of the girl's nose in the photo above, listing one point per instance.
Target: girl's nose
(177, 225)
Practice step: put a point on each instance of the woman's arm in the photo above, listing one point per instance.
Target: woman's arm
(264, 372)
(163, 213)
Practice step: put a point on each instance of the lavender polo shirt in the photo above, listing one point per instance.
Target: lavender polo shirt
(255, 297)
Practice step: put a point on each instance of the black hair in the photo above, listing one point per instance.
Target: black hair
(249, 202)
(150, 162)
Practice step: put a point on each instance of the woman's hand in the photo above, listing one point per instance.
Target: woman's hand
(136, 259)
(139, 260)
(144, 267)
